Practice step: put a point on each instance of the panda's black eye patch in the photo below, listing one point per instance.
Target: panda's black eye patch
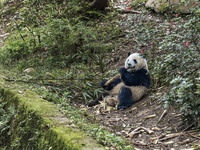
(135, 61)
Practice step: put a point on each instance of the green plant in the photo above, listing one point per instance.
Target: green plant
(104, 137)
(79, 83)
(15, 50)
(137, 3)
(185, 97)
(5, 121)
(52, 35)
(56, 35)
(173, 54)
(19, 128)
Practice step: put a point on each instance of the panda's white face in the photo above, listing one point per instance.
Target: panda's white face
(135, 62)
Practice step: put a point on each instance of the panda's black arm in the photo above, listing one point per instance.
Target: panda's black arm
(122, 70)
(110, 86)
(138, 78)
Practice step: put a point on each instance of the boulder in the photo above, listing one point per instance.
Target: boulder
(170, 5)
(100, 4)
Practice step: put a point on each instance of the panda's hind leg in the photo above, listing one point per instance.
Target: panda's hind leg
(125, 98)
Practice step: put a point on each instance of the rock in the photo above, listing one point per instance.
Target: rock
(100, 4)
(164, 5)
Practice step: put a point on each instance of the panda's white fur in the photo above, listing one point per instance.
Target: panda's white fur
(133, 63)
(132, 66)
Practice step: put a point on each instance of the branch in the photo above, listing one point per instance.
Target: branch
(29, 82)
(128, 11)
(193, 136)
(170, 136)
(162, 115)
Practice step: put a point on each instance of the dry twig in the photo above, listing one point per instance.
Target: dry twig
(140, 143)
(138, 131)
(185, 142)
(169, 136)
(150, 116)
(156, 139)
(189, 126)
(128, 11)
(162, 115)
(193, 136)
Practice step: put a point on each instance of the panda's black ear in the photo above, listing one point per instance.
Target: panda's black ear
(129, 53)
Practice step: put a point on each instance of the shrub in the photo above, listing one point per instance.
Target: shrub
(55, 35)
(185, 96)
(5, 121)
(173, 57)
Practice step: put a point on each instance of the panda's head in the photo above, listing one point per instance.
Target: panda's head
(135, 62)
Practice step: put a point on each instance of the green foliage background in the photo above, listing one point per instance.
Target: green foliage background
(175, 58)
(58, 35)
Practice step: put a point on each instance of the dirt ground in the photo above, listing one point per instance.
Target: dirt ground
(146, 124)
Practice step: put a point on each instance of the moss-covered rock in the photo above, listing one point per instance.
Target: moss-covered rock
(174, 5)
(38, 124)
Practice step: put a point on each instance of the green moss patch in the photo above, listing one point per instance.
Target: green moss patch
(38, 124)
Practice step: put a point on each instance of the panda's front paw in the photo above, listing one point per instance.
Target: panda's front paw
(122, 70)
(103, 82)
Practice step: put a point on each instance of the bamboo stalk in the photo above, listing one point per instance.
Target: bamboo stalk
(112, 79)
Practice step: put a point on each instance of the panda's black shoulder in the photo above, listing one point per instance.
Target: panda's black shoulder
(144, 77)
(141, 72)
(138, 78)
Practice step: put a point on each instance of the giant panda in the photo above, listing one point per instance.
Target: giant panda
(132, 84)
